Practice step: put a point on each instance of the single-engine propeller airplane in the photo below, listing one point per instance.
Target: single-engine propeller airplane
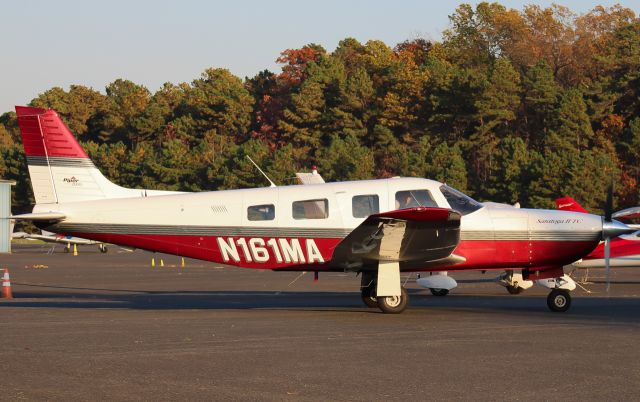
(377, 228)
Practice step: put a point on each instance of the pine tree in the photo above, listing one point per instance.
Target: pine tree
(447, 165)
(540, 100)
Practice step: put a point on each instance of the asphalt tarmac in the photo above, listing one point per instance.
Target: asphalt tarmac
(111, 327)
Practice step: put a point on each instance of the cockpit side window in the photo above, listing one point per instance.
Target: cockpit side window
(364, 205)
(414, 198)
(459, 201)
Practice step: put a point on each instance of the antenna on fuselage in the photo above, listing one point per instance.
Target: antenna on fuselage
(272, 184)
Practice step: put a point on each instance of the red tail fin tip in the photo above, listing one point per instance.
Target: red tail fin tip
(45, 134)
(569, 204)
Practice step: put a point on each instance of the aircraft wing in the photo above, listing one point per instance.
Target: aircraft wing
(413, 237)
(59, 239)
(40, 216)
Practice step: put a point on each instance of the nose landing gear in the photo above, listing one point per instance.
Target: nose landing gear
(559, 299)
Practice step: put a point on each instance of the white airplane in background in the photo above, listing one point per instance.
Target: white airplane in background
(376, 228)
(68, 241)
(625, 249)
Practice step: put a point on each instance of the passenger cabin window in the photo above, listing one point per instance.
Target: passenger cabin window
(266, 212)
(459, 201)
(311, 209)
(414, 198)
(365, 205)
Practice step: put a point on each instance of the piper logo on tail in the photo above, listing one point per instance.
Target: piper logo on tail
(72, 180)
(256, 249)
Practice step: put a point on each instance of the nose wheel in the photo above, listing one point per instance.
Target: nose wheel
(559, 300)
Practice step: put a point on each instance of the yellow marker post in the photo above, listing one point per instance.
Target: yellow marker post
(75, 250)
(153, 262)
(161, 262)
(182, 263)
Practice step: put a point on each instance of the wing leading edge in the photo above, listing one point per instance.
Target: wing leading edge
(414, 237)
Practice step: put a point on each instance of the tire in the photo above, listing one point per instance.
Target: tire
(439, 292)
(103, 249)
(394, 304)
(559, 300)
(514, 290)
(369, 296)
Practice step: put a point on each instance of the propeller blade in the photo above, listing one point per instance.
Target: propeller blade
(608, 207)
(607, 255)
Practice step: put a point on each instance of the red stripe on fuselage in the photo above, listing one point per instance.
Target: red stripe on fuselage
(501, 254)
(207, 248)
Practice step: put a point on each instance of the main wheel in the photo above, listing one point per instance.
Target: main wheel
(103, 249)
(369, 295)
(559, 300)
(394, 304)
(439, 292)
(514, 290)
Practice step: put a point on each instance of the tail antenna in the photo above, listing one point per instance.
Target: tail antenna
(272, 184)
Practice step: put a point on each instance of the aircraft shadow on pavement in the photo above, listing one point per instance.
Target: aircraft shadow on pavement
(616, 309)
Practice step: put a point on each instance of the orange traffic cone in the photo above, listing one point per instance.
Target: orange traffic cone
(6, 285)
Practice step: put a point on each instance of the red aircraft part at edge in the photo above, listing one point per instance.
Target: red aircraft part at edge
(569, 204)
(619, 248)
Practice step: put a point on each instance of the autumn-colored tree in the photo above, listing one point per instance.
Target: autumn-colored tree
(296, 61)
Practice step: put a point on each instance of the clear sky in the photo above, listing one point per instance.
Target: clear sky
(63, 42)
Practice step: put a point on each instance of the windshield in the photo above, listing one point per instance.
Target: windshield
(414, 198)
(459, 201)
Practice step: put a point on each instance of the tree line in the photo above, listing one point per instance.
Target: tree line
(510, 106)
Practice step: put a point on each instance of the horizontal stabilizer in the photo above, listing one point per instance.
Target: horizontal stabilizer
(40, 216)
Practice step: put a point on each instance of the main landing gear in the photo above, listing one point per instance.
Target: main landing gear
(103, 248)
(393, 302)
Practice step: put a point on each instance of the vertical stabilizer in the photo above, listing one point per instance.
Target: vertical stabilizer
(59, 169)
